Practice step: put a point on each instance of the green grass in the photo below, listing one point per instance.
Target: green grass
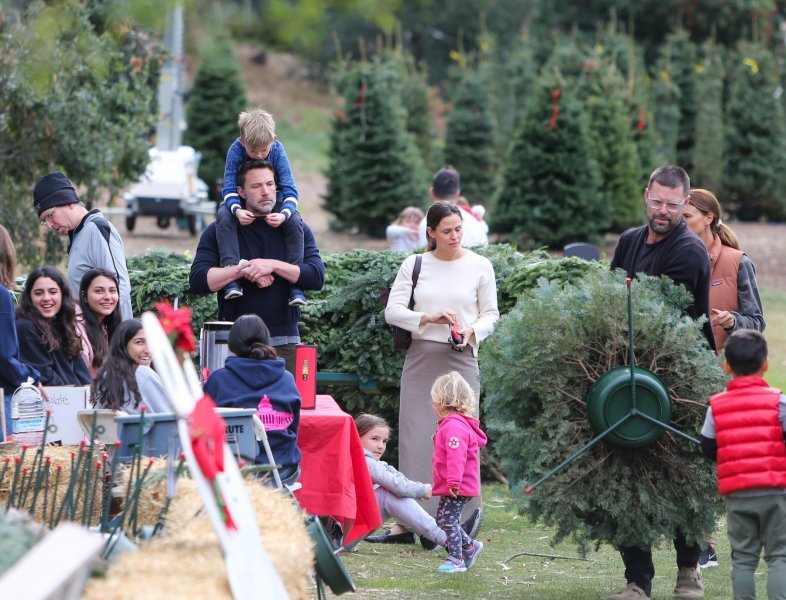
(406, 571)
(774, 302)
(394, 571)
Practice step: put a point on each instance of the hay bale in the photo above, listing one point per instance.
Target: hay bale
(58, 456)
(186, 562)
(152, 497)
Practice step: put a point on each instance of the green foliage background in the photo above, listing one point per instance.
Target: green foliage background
(755, 148)
(77, 94)
(157, 276)
(375, 167)
(217, 98)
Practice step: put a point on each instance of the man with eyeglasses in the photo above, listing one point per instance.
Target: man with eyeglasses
(94, 243)
(665, 246)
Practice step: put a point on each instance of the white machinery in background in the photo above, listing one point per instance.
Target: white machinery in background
(169, 188)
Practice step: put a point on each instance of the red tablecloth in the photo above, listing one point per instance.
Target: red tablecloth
(335, 478)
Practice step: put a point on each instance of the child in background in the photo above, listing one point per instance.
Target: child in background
(395, 493)
(480, 214)
(403, 234)
(258, 140)
(744, 431)
(456, 445)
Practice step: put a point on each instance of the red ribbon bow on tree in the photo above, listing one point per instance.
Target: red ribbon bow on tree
(555, 110)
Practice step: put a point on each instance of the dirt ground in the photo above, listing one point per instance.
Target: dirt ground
(765, 244)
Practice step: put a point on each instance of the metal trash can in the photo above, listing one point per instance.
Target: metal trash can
(213, 345)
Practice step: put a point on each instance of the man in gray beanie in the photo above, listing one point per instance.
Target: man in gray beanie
(94, 241)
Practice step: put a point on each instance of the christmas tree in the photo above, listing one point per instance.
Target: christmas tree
(682, 65)
(550, 190)
(415, 98)
(754, 151)
(622, 51)
(614, 149)
(216, 99)
(469, 140)
(665, 99)
(375, 168)
(522, 72)
(708, 149)
(537, 410)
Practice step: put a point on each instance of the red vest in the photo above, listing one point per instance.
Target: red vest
(751, 450)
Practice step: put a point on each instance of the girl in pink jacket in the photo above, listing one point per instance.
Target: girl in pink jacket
(456, 466)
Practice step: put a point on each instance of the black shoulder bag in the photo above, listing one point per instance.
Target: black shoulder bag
(402, 338)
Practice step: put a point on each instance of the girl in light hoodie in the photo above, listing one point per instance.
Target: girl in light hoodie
(455, 465)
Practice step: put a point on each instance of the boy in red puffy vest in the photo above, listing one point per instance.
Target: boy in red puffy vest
(744, 432)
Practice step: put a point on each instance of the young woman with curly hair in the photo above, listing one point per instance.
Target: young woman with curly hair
(46, 328)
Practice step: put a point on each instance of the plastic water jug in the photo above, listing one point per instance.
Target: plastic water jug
(28, 415)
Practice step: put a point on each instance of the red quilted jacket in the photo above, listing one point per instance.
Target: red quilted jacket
(751, 450)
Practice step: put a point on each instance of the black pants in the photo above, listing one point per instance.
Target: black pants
(287, 352)
(638, 562)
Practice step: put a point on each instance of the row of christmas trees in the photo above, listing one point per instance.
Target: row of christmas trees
(557, 139)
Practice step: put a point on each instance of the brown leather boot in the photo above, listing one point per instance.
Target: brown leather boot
(689, 584)
(631, 592)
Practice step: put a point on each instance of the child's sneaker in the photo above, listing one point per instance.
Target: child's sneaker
(471, 555)
(297, 297)
(232, 291)
(451, 567)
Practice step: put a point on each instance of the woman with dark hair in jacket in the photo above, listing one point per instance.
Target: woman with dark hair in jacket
(256, 378)
(98, 315)
(126, 380)
(46, 328)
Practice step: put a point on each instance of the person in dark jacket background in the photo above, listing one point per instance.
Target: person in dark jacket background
(13, 372)
(257, 378)
(665, 246)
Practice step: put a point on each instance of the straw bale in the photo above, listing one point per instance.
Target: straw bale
(152, 497)
(186, 562)
(59, 456)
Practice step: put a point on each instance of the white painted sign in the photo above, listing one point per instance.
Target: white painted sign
(64, 402)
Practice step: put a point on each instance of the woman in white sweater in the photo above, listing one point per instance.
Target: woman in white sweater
(456, 288)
